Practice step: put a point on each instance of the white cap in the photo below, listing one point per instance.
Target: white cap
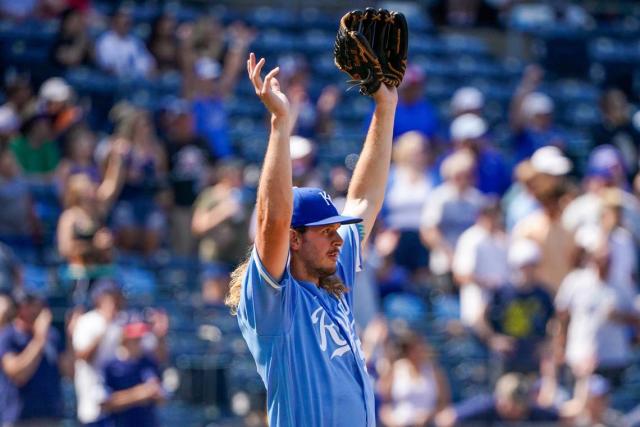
(55, 89)
(466, 99)
(9, 120)
(589, 238)
(551, 161)
(467, 126)
(523, 252)
(536, 103)
(300, 147)
(207, 68)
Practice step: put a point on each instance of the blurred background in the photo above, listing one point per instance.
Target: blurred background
(501, 282)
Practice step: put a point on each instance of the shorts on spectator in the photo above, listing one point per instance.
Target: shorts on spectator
(138, 214)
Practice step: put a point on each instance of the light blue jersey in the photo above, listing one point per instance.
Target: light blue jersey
(305, 345)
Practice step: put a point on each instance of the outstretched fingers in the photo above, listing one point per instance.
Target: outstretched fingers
(269, 82)
(255, 75)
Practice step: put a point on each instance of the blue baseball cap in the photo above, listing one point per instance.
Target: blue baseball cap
(313, 206)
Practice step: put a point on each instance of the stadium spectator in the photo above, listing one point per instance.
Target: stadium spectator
(122, 53)
(138, 217)
(531, 116)
(414, 389)
(132, 379)
(480, 263)
(80, 146)
(304, 162)
(95, 339)
(544, 226)
(511, 402)
(616, 128)
(493, 175)
(190, 168)
(450, 209)
(32, 357)
(519, 201)
(10, 270)
(56, 100)
(467, 100)
(163, 44)
(414, 112)
(514, 322)
(605, 172)
(208, 83)
(8, 391)
(9, 124)
(72, 47)
(35, 149)
(594, 316)
(221, 218)
(408, 186)
(309, 119)
(19, 224)
(83, 238)
(19, 94)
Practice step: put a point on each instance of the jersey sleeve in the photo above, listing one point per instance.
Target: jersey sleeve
(265, 303)
(350, 258)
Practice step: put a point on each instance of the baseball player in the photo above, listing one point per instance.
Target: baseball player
(293, 296)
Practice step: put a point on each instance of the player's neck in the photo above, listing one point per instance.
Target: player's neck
(301, 273)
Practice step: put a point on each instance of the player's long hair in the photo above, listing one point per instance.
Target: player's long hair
(331, 284)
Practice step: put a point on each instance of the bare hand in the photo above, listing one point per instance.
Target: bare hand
(121, 147)
(268, 90)
(502, 344)
(42, 324)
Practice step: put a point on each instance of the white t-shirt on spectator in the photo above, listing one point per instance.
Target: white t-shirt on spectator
(404, 200)
(88, 377)
(483, 255)
(452, 213)
(124, 56)
(591, 334)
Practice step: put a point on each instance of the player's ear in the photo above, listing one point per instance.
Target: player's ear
(295, 239)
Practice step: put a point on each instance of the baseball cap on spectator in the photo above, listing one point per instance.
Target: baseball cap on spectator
(9, 121)
(551, 161)
(603, 160)
(55, 89)
(207, 69)
(28, 295)
(589, 238)
(135, 330)
(523, 252)
(313, 206)
(177, 106)
(536, 103)
(300, 147)
(105, 286)
(468, 126)
(466, 99)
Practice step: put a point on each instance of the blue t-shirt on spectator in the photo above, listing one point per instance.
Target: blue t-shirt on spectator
(123, 374)
(522, 314)
(527, 141)
(41, 396)
(210, 119)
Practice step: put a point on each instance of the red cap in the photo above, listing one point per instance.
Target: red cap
(135, 330)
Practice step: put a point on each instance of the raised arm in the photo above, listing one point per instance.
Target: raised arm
(369, 181)
(274, 205)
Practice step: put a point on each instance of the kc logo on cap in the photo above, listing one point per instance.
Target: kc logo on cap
(326, 197)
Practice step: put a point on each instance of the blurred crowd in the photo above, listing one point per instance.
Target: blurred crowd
(525, 251)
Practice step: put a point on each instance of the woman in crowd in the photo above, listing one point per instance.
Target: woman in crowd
(414, 389)
(83, 239)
